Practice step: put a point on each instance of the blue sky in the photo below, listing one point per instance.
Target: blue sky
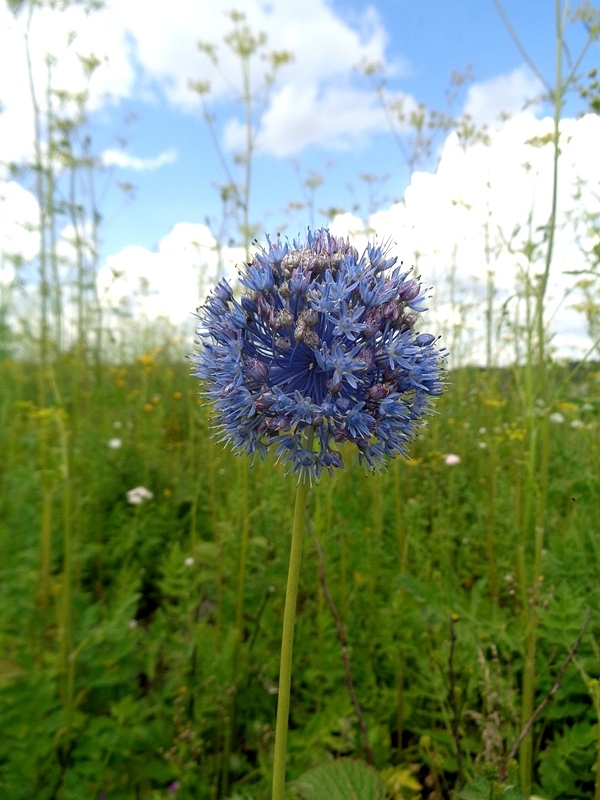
(423, 43)
(149, 129)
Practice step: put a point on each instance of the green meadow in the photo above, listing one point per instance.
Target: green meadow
(140, 642)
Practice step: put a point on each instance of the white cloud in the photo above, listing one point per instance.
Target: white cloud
(441, 224)
(50, 36)
(439, 227)
(19, 218)
(126, 161)
(170, 282)
(154, 53)
(508, 94)
(323, 44)
(339, 118)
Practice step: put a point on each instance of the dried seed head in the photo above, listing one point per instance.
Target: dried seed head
(311, 339)
(284, 319)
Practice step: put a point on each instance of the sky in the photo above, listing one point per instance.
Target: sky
(321, 115)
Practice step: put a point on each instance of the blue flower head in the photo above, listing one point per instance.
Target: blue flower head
(321, 349)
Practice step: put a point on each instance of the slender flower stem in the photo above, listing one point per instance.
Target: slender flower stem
(287, 641)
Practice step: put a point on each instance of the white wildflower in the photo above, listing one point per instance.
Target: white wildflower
(114, 444)
(451, 459)
(557, 417)
(138, 495)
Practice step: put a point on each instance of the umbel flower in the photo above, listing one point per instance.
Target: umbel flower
(323, 342)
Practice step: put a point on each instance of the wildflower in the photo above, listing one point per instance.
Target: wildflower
(133, 623)
(172, 788)
(482, 445)
(566, 406)
(138, 495)
(493, 402)
(189, 562)
(322, 349)
(451, 459)
(114, 444)
(577, 423)
(117, 424)
(557, 417)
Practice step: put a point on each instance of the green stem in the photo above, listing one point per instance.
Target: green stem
(400, 705)
(489, 537)
(596, 698)
(402, 537)
(67, 655)
(287, 641)
(528, 692)
(238, 633)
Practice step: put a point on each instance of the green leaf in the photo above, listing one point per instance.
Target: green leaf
(482, 789)
(341, 780)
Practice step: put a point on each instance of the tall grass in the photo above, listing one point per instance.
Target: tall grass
(137, 699)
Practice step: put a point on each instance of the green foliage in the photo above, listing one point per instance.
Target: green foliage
(154, 586)
(484, 790)
(341, 780)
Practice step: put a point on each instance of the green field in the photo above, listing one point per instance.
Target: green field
(122, 673)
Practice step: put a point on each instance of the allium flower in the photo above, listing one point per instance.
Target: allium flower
(323, 348)
(138, 495)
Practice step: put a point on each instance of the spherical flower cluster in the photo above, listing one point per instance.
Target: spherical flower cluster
(321, 349)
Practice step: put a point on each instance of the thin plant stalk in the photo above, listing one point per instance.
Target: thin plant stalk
(194, 472)
(40, 191)
(46, 516)
(238, 633)
(489, 532)
(287, 641)
(541, 485)
(50, 194)
(320, 622)
(402, 538)
(66, 644)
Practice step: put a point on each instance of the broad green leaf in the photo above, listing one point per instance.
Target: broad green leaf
(482, 789)
(341, 780)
